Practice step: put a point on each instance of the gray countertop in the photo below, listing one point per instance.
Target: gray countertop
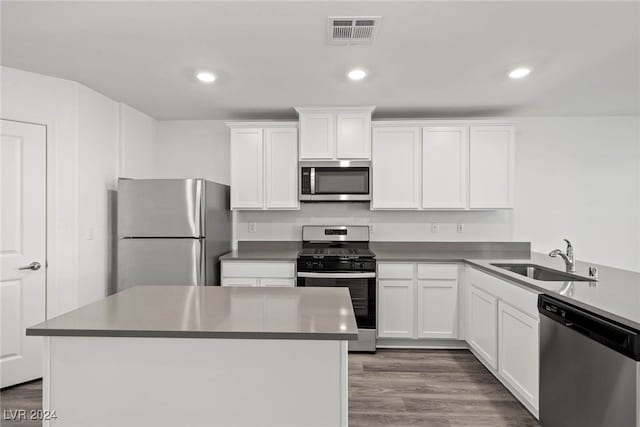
(264, 251)
(212, 312)
(615, 295)
(448, 251)
(388, 251)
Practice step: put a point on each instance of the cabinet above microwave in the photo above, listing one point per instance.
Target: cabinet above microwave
(335, 133)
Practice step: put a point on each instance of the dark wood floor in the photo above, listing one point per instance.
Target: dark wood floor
(446, 388)
(429, 388)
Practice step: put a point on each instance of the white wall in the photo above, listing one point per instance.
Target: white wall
(137, 138)
(193, 149)
(83, 143)
(97, 176)
(387, 226)
(579, 178)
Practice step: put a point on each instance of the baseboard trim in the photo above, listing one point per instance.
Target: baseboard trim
(407, 343)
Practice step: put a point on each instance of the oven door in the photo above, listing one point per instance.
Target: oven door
(362, 287)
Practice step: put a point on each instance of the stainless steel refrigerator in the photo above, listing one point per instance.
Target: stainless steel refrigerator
(171, 231)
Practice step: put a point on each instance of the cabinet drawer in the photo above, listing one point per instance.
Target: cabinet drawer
(246, 282)
(258, 269)
(395, 271)
(277, 282)
(438, 271)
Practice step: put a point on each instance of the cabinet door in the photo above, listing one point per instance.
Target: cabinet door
(437, 308)
(491, 167)
(274, 282)
(518, 351)
(247, 160)
(396, 168)
(395, 303)
(281, 168)
(317, 136)
(353, 136)
(444, 167)
(482, 333)
(243, 282)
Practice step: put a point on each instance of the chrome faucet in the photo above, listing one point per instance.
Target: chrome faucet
(568, 257)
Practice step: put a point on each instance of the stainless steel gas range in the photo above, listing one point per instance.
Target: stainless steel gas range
(339, 256)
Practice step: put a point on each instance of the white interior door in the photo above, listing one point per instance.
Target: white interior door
(22, 242)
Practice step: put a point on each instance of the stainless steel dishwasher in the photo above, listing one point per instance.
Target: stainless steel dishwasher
(588, 368)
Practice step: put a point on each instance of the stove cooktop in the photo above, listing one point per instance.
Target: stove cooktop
(337, 252)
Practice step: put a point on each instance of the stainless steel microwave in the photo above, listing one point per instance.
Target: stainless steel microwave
(337, 181)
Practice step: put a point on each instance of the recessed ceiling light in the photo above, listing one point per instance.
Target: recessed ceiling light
(520, 72)
(357, 74)
(206, 77)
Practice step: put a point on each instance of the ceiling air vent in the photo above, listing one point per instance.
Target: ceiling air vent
(344, 30)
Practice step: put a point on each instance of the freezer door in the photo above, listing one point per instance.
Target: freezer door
(160, 262)
(160, 208)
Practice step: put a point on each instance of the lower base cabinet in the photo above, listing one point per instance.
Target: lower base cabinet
(518, 351)
(395, 308)
(482, 333)
(503, 332)
(262, 274)
(417, 300)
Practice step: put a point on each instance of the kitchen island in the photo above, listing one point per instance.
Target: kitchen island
(196, 356)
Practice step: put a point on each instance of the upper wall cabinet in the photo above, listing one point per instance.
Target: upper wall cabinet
(430, 166)
(491, 170)
(264, 165)
(335, 133)
(445, 166)
(396, 168)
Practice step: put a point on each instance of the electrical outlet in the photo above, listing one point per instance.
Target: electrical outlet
(435, 228)
(252, 227)
(371, 229)
(460, 228)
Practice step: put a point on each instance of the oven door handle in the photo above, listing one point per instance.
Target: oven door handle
(338, 275)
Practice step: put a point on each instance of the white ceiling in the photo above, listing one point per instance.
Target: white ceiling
(429, 59)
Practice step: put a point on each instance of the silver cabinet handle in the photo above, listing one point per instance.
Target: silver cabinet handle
(33, 266)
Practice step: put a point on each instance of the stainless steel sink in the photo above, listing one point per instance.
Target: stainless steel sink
(539, 272)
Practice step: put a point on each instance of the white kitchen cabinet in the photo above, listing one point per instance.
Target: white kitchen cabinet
(503, 331)
(396, 168)
(328, 133)
(258, 273)
(518, 351)
(353, 135)
(431, 165)
(491, 170)
(395, 309)
(445, 167)
(437, 301)
(482, 333)
(264, 166)
(417, 300)
(281, 168)
(247, 162)
(317, 136)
